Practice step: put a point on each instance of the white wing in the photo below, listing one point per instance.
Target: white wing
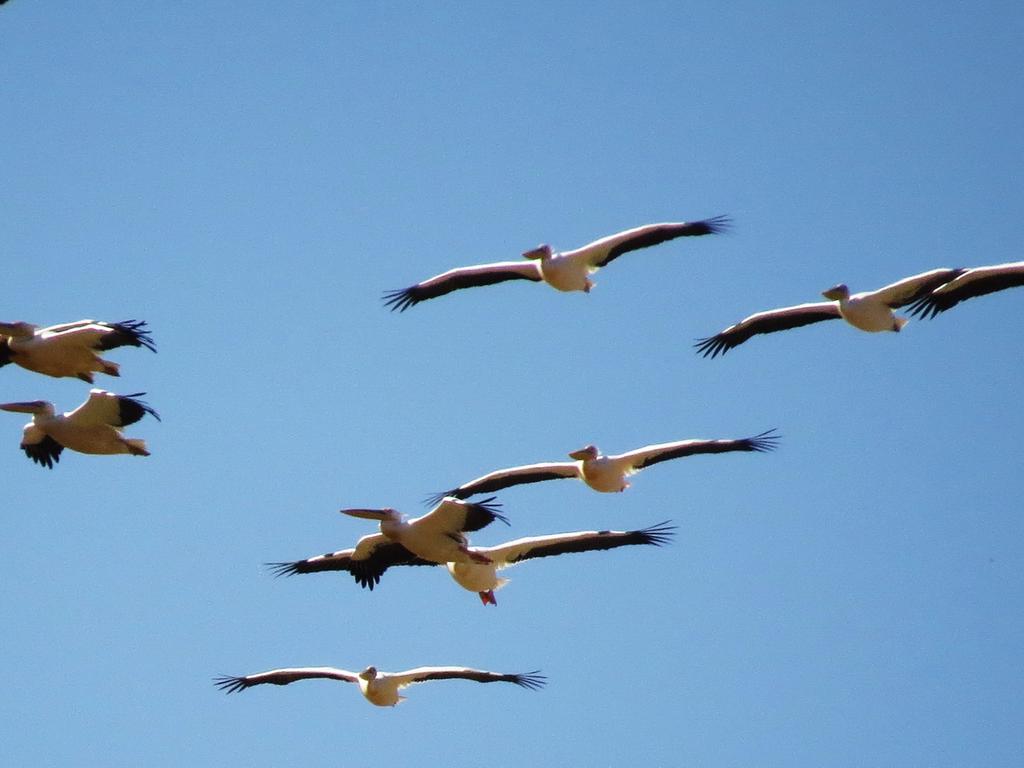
(531, 680)
(106, 408)
(283, 677)
(506, 478)
(769, 321)
(462, 277)
(910, 289)
(578, 541)
(456, 516)
(653, 454)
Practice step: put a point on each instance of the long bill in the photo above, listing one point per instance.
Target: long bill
(366, 514)
(34, 406)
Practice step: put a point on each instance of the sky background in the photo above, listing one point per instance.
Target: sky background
(249, 178)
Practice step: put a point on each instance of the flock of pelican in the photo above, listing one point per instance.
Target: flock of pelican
(440, 537)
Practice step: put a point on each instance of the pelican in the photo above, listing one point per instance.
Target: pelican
(93, 427)
(70, 349)
(379, 688)
(481, 578)
(564, 271)
(606, 474)
(970, 283)
(438, 536)
(870, 311)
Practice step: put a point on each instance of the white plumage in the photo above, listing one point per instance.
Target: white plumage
(870, 311)
(93, 427)
(379, 688)
(564, 271)
(71, 349)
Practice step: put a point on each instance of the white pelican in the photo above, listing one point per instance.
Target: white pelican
(93, 427)
(976, 281)
(606, 474)
(70, 349)
(438, 536)
(481, 578)
(565, 271)
(379, 688)
(869, 311)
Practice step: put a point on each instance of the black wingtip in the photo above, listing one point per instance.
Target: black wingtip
(717, 225)
(766, 441)
(491, 505)
(712, 347)
(926, 308)
(436, 498)
(400, 299)
(659, 534)
(137, 332)
(143, 407)
(283, 569)
(230, 684)
(532, 681)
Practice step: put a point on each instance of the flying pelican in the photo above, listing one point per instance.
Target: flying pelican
(379, 688)
(970, 283)
(869, 311)
(93, 427)
(606, 474)
(70, 349)
(564, 271)
(438, 536)
(481, 578)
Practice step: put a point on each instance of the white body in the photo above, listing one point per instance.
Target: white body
(477, 577)
(84, 438)
(70, 349)
(607, 474)
(868, 312)
(381, 690)
(61, 354)
(568, 271)
(423, 541)
(438, 536)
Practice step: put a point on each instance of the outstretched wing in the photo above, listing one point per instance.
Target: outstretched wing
(366, 566)
(531, 680)
(231, 684)
(607, 249)
(99, 335)
(40, 447)
(462, 277)
(456, 516)
(104, 407)
(909, 289)
(654, 454)
(506, 478)
(579, 541)
(767, 322)
(971, 283)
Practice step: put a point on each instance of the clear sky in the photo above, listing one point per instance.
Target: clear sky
(249, 178)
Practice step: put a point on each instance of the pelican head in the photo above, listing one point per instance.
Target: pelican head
(370, 673)
(540, 252)
(584, 453)
(35, 407)
(19, 330)
(837, 292)
(374, 514)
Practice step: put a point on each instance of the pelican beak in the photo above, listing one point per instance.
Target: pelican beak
(537, 253)
(20, 407)
(366, 514)
(834, 294)
(584, 453)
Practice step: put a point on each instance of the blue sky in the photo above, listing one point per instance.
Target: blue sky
(250, 178)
